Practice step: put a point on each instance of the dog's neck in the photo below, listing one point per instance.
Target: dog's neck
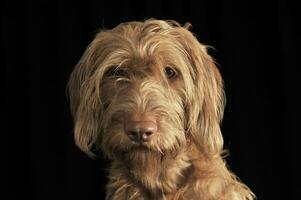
(158, 175)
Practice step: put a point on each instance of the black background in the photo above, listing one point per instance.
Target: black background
(257, 48)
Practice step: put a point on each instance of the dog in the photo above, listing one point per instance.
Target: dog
(149, 96)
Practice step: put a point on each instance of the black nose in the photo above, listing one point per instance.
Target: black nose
(140, 131)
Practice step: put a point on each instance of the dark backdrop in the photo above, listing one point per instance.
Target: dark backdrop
(256, 47)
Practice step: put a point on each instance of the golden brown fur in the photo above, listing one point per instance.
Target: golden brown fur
(122, 74)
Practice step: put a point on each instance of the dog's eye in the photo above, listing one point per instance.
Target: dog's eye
(170, 73)
(116, 72)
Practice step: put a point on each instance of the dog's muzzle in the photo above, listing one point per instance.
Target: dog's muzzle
(140, 128)
(140, 131)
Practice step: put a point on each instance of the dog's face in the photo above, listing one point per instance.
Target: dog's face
(146, 88)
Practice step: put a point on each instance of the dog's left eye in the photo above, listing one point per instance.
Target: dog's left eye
(170, 73)
(116, 72)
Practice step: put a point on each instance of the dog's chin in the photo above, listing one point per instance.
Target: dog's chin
(139, 152)
(140, 158)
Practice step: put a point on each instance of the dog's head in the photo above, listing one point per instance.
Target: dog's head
(147, 86)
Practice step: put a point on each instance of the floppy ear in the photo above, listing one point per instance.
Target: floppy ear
(86, 107)
(209, 107)
(205, 105)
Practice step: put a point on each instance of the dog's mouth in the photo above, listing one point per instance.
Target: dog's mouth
(140, 156)
(138, 147)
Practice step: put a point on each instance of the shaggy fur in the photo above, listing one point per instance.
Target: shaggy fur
(157, 72)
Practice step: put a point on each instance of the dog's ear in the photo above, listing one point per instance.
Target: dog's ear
(86, 107)
(205, 104)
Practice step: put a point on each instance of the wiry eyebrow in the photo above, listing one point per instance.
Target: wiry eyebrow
(116, 71)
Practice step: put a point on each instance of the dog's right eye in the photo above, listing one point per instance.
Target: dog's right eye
(170, 73)
(116, 72)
